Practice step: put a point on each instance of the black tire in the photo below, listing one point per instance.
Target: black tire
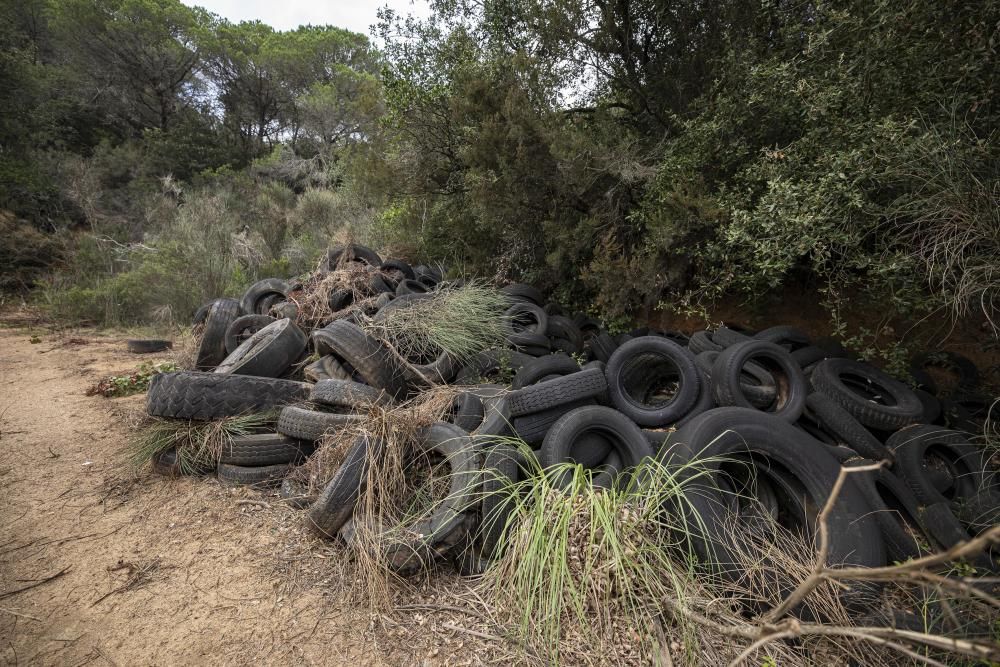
(497, 422)
(335, 505)
(326, 368)
(790, 338)
(526, 317)
(566, 389)
(946, 529)
(980, 512)
(147, 346)
(243, 327)
(201, 315)
(772, 444)
(431, 532)
(560, 327)
(383, 284)
(701, 341)
(553, 308)
(312, 425)
(932, 407)
(533, 427)
(203, 396)
(466, 412)
(490, 364)
(705, 402)
(845, 429)
(602, 346)
(726, 337)
(755, 382)
(340, 299)
(790, 383)
(263, 449)
(523, 292)
(255, 299)
(535, 370)
(643, 366)
(398, 265)
(257, 476)
(440, 371)
(829, 377)
(352, 252)
(500, 471)
(212, 348)
(966, 371)
(267, 353)
(920, 449)
(401, 301)
(347, 394)
(165, 463)
(367, 356)
(624, 437)
(411, 287)
(896, 510)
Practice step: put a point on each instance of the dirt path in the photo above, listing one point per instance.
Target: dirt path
(161, 572)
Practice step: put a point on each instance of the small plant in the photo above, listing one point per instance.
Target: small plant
(136, 382)
(198, 444)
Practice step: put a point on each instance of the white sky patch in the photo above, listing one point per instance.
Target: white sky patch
(354, 15)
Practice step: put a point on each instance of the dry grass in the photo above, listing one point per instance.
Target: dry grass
(313, 300)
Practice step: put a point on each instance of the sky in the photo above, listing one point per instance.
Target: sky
(356, 15)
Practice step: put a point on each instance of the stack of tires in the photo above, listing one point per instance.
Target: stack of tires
(770, 417)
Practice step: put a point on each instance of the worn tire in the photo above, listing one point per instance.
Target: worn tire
(845, 428)
(258, 476)
(312, 425)
(352, 252)
(212, 348)
(263, 449)
(489, 363)
(243, 327)
(523, 292)
(560, 391)
(147, 346)
(526, 317)
(645, 362)
(346, 394)
(828, 377)
(335, 505)
(790, 383)
(259, 297)
(365, 354)
(203, 396)
(917, 446)
(536, 369)
(267, 353)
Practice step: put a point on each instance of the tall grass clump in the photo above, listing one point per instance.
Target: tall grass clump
(199, 445)
(461, 321)
(585, 570)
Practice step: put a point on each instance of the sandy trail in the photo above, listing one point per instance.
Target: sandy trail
(164, 572)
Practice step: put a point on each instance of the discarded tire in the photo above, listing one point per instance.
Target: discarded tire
(195, 395)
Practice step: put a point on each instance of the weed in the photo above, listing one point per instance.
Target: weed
(198, 444)
(136, 382)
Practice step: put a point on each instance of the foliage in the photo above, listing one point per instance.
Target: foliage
(135, 382)
(198, 444)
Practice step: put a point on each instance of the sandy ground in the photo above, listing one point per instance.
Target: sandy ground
(164, 572)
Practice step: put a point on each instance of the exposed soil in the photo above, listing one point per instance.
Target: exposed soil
(150, 570)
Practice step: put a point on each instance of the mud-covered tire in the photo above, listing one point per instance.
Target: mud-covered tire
(335, 505)
(267, 353)
(263, 449)
(203, 396)
(258, 476)
(366, 355)
(312, 425)
(212, 347)
(147, 346)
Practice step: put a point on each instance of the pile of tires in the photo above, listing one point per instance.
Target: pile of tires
(769, 418)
